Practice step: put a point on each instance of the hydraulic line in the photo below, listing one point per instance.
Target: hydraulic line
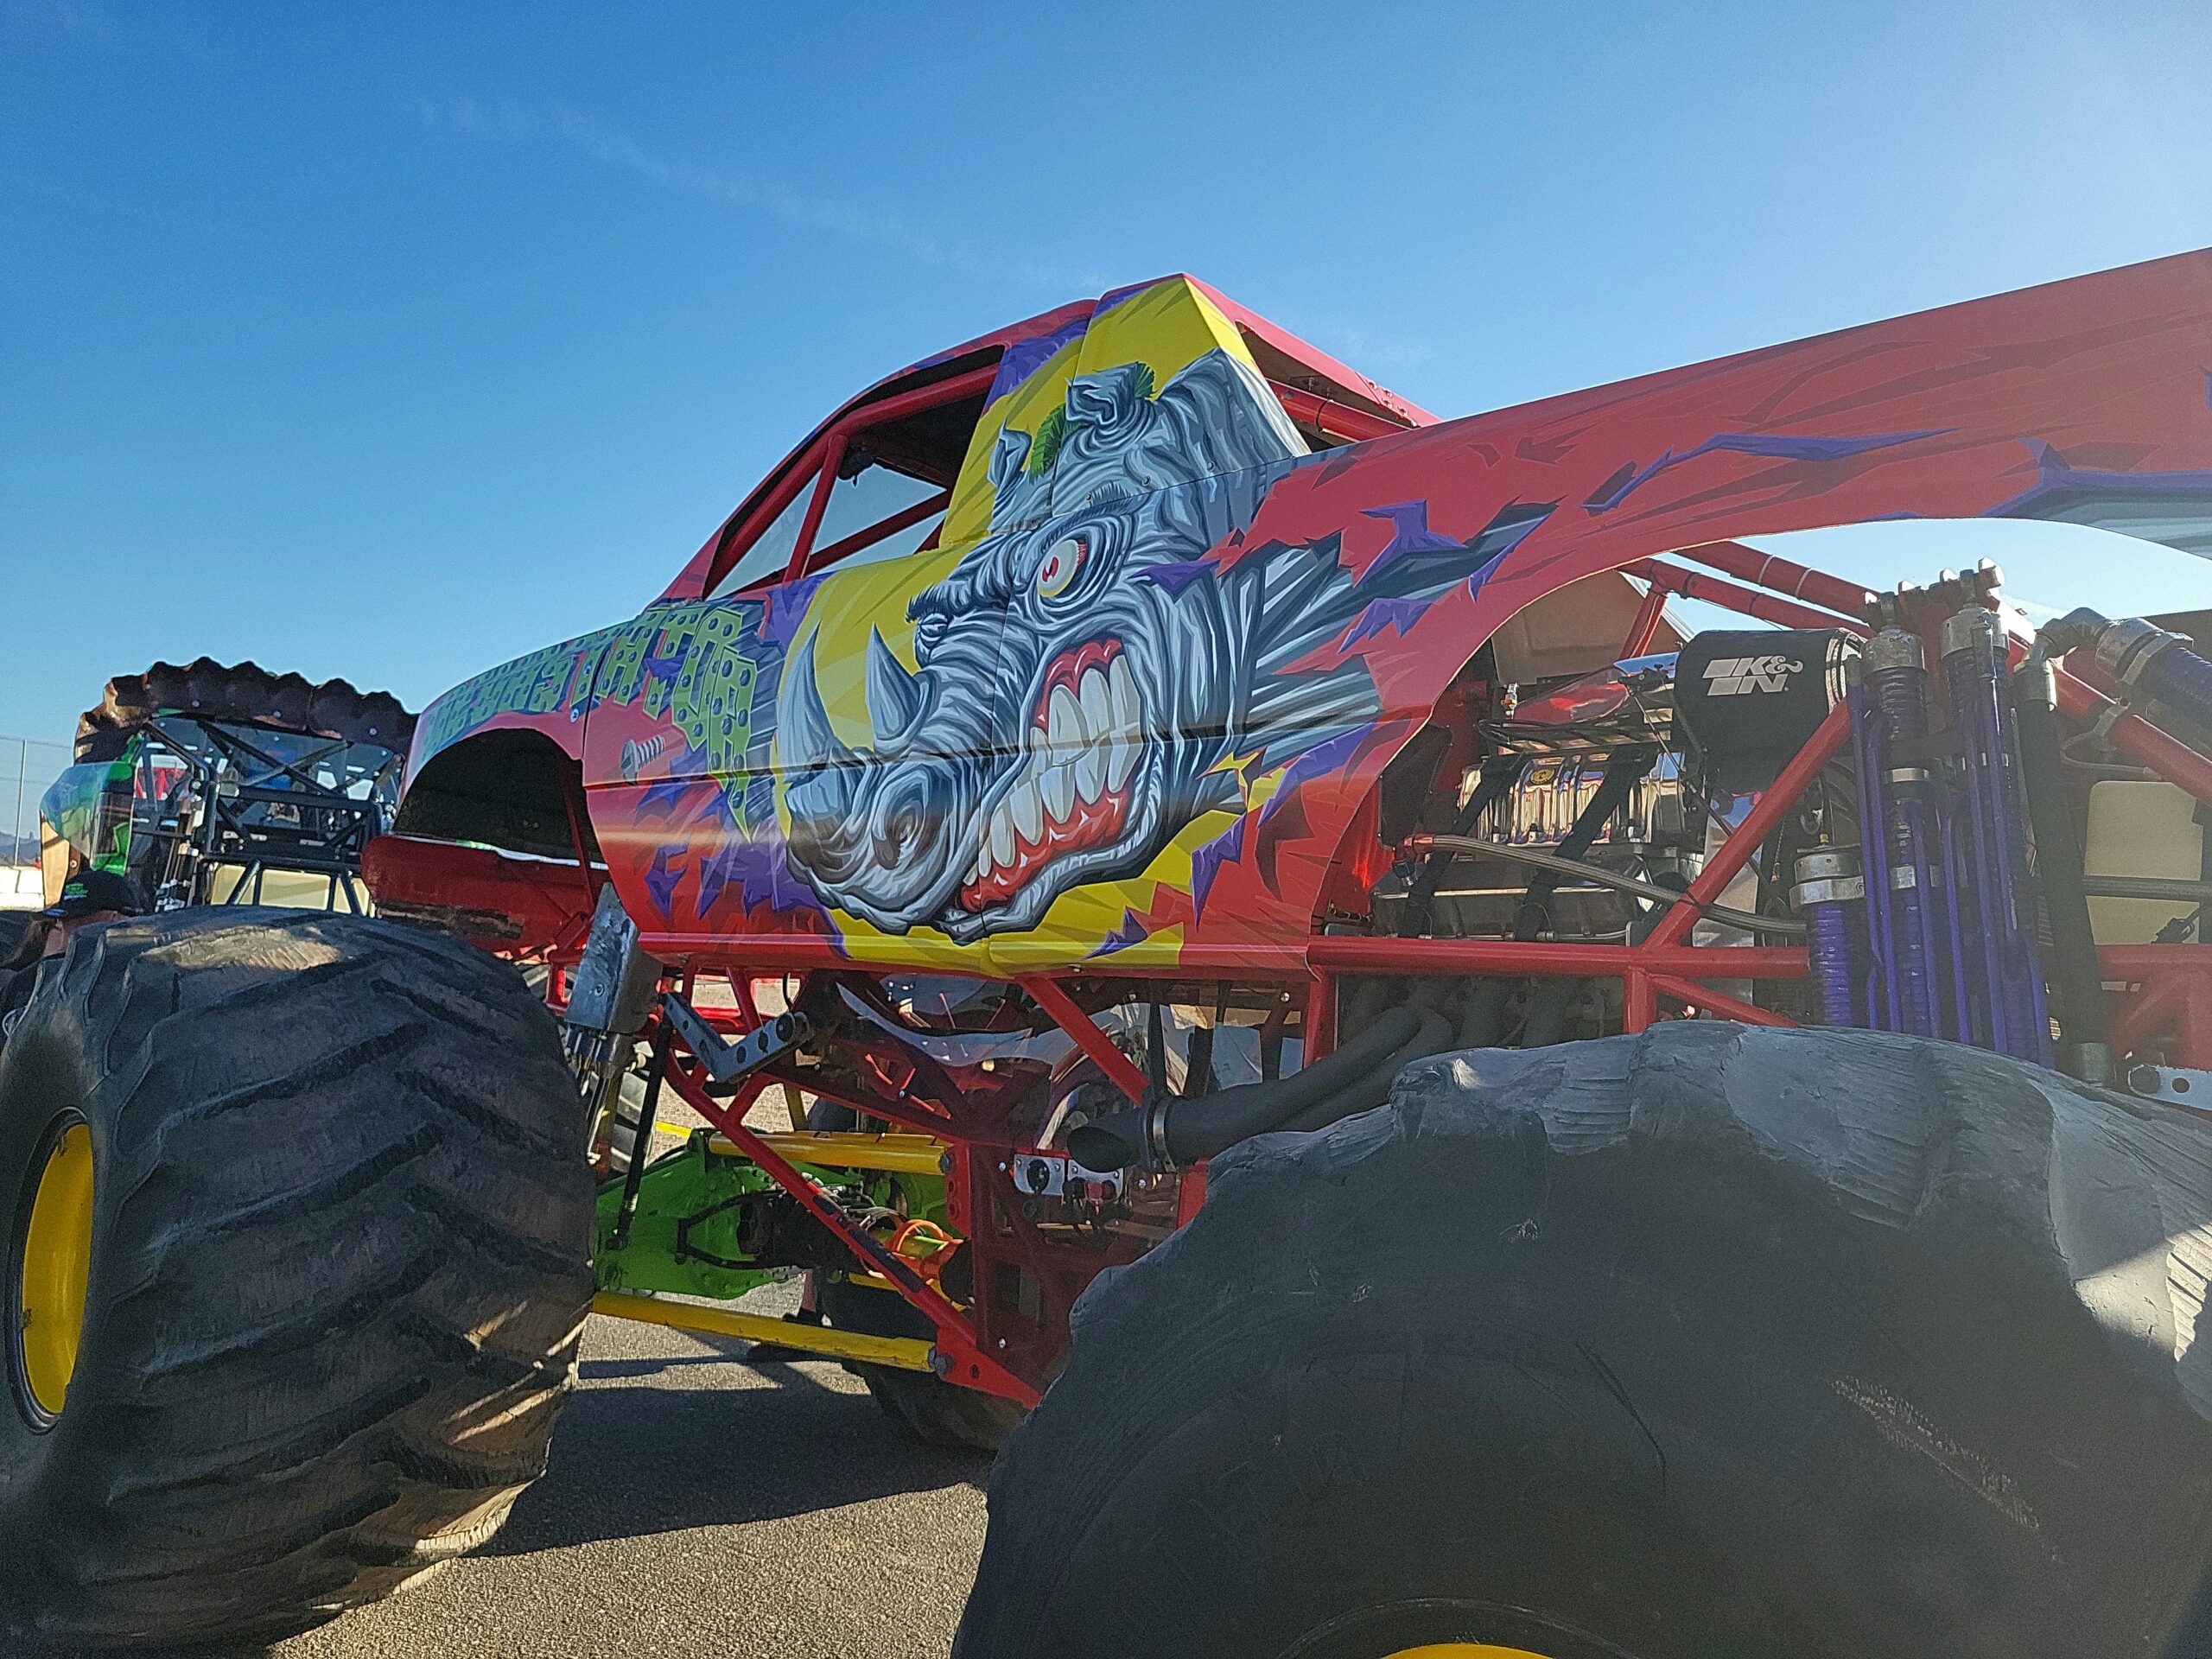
(1575, 869)
(2150, 663)
(2058, 873)
(2182, 680)
(1499, 774)
(1988, 871)
(1897, 810)
(1831, 895)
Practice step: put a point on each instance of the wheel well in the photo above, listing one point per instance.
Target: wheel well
(506, 788)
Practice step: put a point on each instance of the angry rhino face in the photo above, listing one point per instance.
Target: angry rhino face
(1077, 687)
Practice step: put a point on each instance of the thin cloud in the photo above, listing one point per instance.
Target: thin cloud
(611, 146)
(482, 121)
(140, 31)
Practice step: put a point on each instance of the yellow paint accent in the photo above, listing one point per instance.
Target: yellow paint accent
(1077, 920)
(905, 1353)
(1462, 1651)
(850, 603)
(901, 1154)
(57, 1262)
(1168, 327)
(1023, 410)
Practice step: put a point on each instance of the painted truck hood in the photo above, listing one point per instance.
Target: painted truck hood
(1134, 711)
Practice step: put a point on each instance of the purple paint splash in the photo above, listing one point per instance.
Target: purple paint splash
(1384, 614)
(1776, 446)
(1179, 573)
(1409, 533)
(1131, 931)
(1025, 357)
(761, 874)
(1334, 755)
(786, 609)
(1227, 847)
(662, 877)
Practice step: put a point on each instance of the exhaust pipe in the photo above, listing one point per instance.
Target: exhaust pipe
(1171, 1131)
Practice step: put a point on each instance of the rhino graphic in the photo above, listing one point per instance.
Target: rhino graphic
(1088, 682)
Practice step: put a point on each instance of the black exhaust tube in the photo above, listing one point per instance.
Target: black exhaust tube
(2086, 1054)
(1433, 1037)
(1172, 1130)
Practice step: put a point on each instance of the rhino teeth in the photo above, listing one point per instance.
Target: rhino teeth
(1058, 787)
(1127, 723)
(1064, 729)
(1083, 748)
(1090, 773)
(1029, 811)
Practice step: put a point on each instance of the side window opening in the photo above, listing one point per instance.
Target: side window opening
(876, 512)
(771, 552)
(865, 489)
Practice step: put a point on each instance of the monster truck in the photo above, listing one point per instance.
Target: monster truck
(301, 1190)
(1460, 1119)
(208, 783)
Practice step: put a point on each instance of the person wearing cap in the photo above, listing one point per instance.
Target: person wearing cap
(88, 898)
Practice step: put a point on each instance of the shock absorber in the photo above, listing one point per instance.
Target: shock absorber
(1897, 804)
(2003, 1005)
(1831, 895)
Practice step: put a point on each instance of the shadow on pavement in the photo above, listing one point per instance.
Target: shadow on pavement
(653, 1444)
(619, 1370)
(634, 1461)
(251, 1651)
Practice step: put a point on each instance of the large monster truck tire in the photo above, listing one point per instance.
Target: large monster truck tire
(316, 1186)
(243, 692)
(1712, 1343)
(934, 1411)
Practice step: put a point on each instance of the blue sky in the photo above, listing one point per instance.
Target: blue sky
(391, 340)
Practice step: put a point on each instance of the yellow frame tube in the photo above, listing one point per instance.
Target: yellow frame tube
(905, 1353)
(899, 1154)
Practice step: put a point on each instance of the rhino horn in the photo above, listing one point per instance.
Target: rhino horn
(805, 740)
(1009, 457)
(894, 696)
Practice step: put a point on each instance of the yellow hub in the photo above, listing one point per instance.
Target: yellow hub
(1462, 1651)
(57, 1259)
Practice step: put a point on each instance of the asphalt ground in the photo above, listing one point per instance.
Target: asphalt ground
(698, 1507)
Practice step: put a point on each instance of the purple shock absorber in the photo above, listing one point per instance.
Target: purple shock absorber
(1897, 688)
(1989, 868)
(1831, 895)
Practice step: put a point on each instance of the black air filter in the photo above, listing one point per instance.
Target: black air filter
(1749, 699)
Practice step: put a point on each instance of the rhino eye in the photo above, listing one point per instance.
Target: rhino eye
(1059, 566)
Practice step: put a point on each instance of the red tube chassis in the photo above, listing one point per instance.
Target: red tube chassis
(2164, 1004)
(2161, 1004)
(2161, 995)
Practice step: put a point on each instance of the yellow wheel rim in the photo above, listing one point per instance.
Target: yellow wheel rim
(1462, 1651)
(57, 1259)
